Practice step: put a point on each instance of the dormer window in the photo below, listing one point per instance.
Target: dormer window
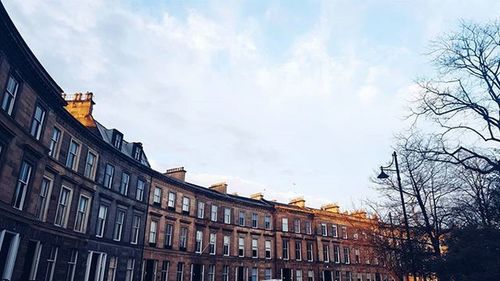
(137, 151)
(117, 139)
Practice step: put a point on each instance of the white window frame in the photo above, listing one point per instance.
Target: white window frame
(139, 189)
(201, 210)
(124, 183)
(214, 209)
(109, 183)
(284, 224)
(241, 246)
(39, 123)
(172, 196)
(44, 199)
(226, 246)
(186, 203)
(255, 247)
(76, 159)
(268, 249)
(153, 231)
(213, 243)
(52, 260)
(55, 144)
(67, 207)
(119, 225)
(227, 215)
(100, 232)
(85, 215)
(199, 242)
(71, 265)
(91, 173)
(10, 94)
(136, 226)
(22, 184)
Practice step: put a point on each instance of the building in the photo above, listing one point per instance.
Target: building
(79, 202)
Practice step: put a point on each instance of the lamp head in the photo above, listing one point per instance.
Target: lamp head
(382, 174)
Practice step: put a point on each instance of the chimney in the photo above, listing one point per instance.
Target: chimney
(359, 214)
(299, 202)
(257, 196)
(333, 208)
(220, 187)
(177, 173)
(81, 106)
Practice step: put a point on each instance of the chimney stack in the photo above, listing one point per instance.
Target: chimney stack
(81, 106)
(176, 173)
(332, 208)
(257, 196)
(220, 187)
(299, 202)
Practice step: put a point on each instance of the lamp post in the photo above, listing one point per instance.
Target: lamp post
(383, 175)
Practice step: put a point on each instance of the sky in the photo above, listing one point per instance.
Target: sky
(287, 98)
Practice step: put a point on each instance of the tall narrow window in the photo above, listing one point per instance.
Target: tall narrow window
(169, 229)
(344, 232)
(324, 230)
(8, 252)
(63, 207)
(310, 275)
(153, 232)
(241, 246)
(298, 250)
(326, 253)
(101, 221)
(298, 275)
(185, 205)
(44, 198)
(71, 266)
(267, 222)
(227, 245)
(136, 226)
(296, 226)
(31, 262)
(113, 264)
(255, 220)
(213, 242)
(120, 217)
(9, 96)
(183, 239)
(255, 274)
(286, 247)
(51, 263)
(129, 275)
(164, 271)
(82, 214)
(335, 232)
(54, 142)
(211, 272)
(310, 251)
(180, 271)
(255, 248)
(124, 182)
(284, 224)
(213, 213)
(171, 201)
(22, 185)
(241, 219)
(357, 259)
(336, 254)
(37, 122)
(227, 215)
(109, 172)
(139, 192)
(199, 242)
(308, 228)
(90, 165)
(267, 247)
(347, 254)
(225, 273)
(268, 274)
(201, 210)
(73, 152)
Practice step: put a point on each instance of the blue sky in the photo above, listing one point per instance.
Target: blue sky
(289, 98)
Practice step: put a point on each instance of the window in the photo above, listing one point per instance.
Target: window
(284, 224)
(9, 246)
(44, 198)
(180, 271)
(324, 230)
(267, 222)
(137, 151)
(139, 192)
(298, 275)
(201, 210)
(51, 263)
(33, 254)
(171, 201)
(109, 172)
(255, 248)
(337, 275)
(71, 266)
(169, 229)
(37, 122)
(255, 220)
(286, 246)
(326, 253)
(241, 219)
(113, 263)
(308, 228)
(63, 207)
(347, 258)
(136, 226)
(73, 152)
(129, 275)
(227, 245)
(157, 196)
(344, 232)
(185, 205)
(296, 226)
(54, 142)
(348, 276)
(101, 220)
(9, 97)
(199, 242)
(225, 273)
(90, 165)
(227, 215)
(355, 236)
(22, 185)
(82, 213)
(211, 272)
(213, 213)
(335, 232)
(268, 274)
(241, 247)
(164, 271)
(255, 274)
(298, 250)
(183, 239)
(153, 230)
(310, 251)
(213, 242)
(124, 182)
(310, 275)
(336, 253)
(117, 139)
(120, 217)
(356, 256)
(267, 246)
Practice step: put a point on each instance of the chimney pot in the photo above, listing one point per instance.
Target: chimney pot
(177, 173)
(332, 207)
(220, 187)
(299, 202)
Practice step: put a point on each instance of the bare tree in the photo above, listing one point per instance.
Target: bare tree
(464, 98)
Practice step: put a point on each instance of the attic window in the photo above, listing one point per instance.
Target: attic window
(137, 152)
(117, 139)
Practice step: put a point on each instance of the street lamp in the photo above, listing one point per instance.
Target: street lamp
(384, 175)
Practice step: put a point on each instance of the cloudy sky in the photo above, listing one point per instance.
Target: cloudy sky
(289, 98)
